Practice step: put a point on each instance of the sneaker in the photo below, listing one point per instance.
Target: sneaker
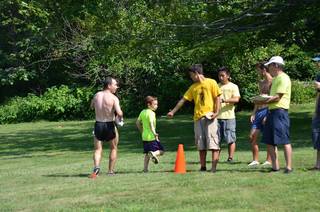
(266, 163)
(288, 171)
(213, 170)
(95, 173)
(153, 157)
(253, 164)
(203, 169)
(230, 160)
(274, 170)
(111, 174)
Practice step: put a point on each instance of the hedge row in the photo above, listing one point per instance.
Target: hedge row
(64, 103)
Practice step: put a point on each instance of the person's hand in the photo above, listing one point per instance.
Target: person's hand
(264, 120)
(252, 117)
(317, 85)
(157, 137)
(260, 102)
(214, 115)
(170, 114)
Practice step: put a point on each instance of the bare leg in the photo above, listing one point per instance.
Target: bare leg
(254, 145)
(231, 149)
(97, 154)
(113, 153)
(274, 156)
(269, 157)
(215, 159)
(288, 156)
(203, 155)
(146, 162)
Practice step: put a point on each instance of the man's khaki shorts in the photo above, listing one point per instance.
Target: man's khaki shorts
(206, 134)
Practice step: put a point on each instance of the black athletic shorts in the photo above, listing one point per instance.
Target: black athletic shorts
(104, 131)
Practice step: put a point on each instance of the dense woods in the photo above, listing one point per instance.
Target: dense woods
(68, 46)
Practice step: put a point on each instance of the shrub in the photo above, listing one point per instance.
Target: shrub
(58, 103)
(302, 92)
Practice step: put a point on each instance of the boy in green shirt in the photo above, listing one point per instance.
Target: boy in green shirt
(146, 123)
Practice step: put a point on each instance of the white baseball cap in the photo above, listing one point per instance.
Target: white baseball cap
(275, 59)
(316, 59)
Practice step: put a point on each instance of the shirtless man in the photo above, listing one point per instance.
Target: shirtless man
(107, 107)
(259, 115)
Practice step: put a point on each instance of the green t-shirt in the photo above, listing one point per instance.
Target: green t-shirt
(147, 116)
(281, 84)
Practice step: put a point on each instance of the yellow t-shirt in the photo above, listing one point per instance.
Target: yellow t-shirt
(281, 84)
(228, 90)
(203, 94)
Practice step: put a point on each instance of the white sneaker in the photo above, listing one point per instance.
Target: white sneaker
(254, 163)
(153, 157)
(266, 163)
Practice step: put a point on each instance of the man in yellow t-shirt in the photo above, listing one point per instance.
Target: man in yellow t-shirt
(227, 118)
(278, 123)
(204, 92)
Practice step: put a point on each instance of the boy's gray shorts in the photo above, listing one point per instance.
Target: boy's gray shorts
(206, 134)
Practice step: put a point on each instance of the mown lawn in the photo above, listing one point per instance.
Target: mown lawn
(44, 167)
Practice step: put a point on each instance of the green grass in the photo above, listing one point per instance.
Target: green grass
(44, 167)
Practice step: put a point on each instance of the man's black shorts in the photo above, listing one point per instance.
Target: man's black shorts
(104, 131)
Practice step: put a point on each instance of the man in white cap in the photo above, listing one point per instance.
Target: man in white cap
(277, 124)
(316, 118)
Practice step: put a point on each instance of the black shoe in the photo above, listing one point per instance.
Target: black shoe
(274, 170)
(288, 171)
(230, 160)
(203, 169)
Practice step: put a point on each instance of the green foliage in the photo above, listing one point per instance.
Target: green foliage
(148, 45)
(302, 92)
(56, 104)
(22, 42)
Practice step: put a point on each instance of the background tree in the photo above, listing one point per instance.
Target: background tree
(148, 45)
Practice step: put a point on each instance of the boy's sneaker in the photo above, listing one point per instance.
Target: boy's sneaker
(153, 157)
(253, 164)
(266, 163)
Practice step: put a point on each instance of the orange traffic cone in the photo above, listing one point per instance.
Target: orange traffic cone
(180, 165)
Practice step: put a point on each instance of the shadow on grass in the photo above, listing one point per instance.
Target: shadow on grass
(104, 174)
(66, 175)
(77, 136)
(220, 162)
(233, 170)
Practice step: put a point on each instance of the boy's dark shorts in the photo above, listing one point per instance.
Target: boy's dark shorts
(276, 129)
(152, 146)
(104, 131)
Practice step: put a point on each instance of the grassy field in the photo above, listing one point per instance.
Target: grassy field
(44, 167)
